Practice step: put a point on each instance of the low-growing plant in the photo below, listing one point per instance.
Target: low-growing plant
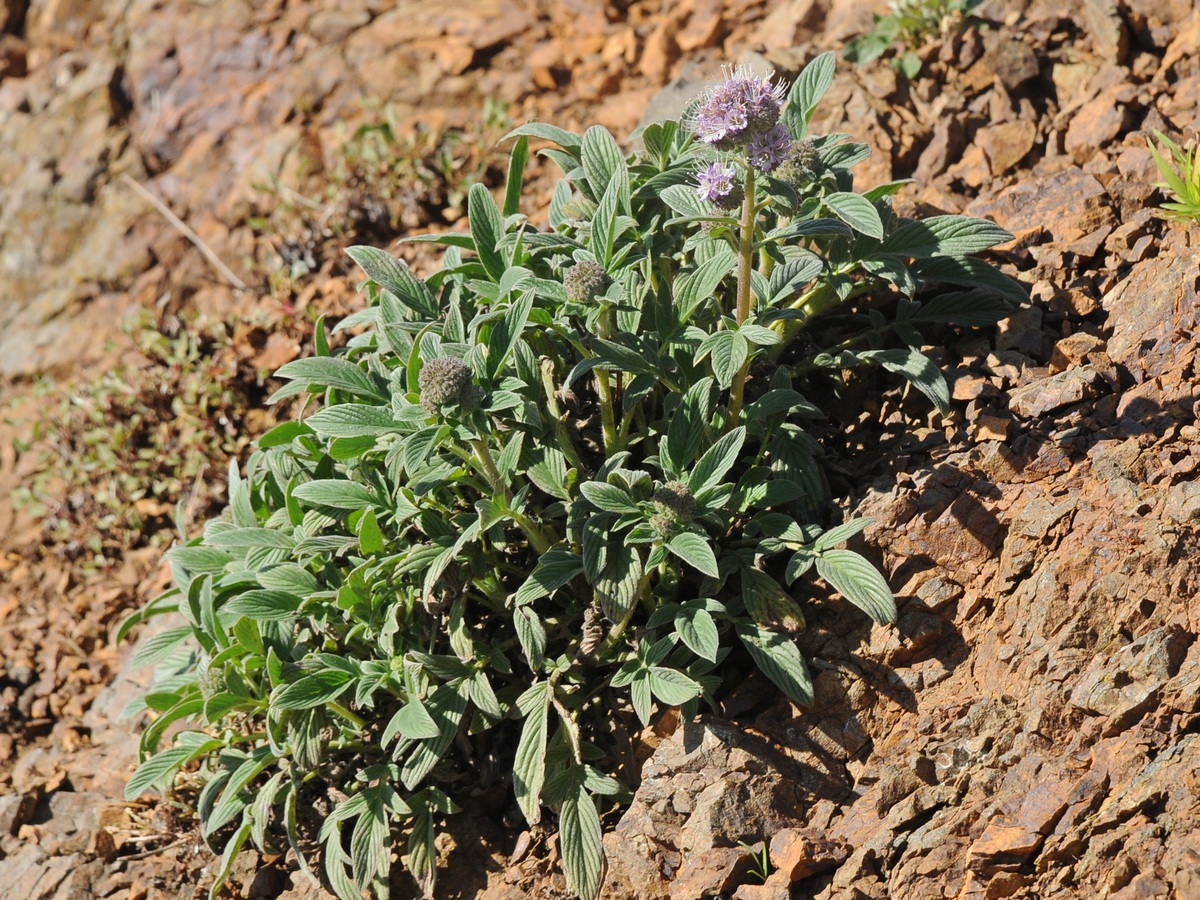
(565, 476)
(1180, 171)
(911, 24)
(112, 454)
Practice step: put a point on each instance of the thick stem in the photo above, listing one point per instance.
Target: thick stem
(745, 297)
(604, 389)
(484, 457)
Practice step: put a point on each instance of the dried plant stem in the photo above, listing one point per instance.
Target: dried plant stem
(179, 225)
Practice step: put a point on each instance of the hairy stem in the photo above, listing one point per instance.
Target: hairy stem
(745, 296)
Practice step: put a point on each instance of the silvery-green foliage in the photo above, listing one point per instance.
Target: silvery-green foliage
(523, 506)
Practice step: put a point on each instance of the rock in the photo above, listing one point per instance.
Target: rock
(789, 23)
(1036, 399)
(705, 27)
(1022, 331)
(1110, 36)
(1007, 144)
(1123, 685)
(714, 871)
(659, 53)
(1148, 313)
(797, 854)
(703, 788)
(15, 811)
(1011, 61)
(1099, 122)
(1069, 204)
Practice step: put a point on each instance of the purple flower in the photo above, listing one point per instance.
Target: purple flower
(770, 149)
(717, 183)
(738, 109)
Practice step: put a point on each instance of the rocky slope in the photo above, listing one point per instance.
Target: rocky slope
(1031, 727)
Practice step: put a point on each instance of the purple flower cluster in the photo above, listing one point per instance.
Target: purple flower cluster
(770, 149)
(718, 183)
(742, 107)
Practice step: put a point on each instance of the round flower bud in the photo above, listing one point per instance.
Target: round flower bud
(803, 164)
(212, 681)
(675, 499)
(585, 281)
(443, 380)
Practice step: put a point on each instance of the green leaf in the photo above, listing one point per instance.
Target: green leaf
(717, 461)
(411, 721)
(158, 769)
(964, 308)
(160, 646)
(857, 212)
(232, 848)
(807, 92)
(602, 162)
(607, 497)
(264, 606)
(393, 275)
(529, 766)
(351, 420)
(487, 228)
(686, 428)
(311, 690)
(370, 537)
(447, 706)
(565, 139)
(505, 335)
(516, 177)
(580, 837)
(231, 803)
(617, 587)
(841, 533)
(331, 371)
(671, 686)
(729, 351)
(698, 631)
(969, 272)
(283, 434)
(532, 635)
(251, 538)
(779, 659)
(695, 551)
(859, 582)
(944, 236)
(917, 368)
(696, 286)
(555, 568)
(335, 492)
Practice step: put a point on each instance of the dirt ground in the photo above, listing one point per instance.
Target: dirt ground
(1030, 728)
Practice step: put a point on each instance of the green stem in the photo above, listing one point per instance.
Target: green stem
(604, 390)
(564, 437)
(484, 457)
(745, 297)
(355, 720)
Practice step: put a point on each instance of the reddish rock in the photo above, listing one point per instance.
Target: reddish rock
(799, 854)
(1007, 144)
(1069, 205)
(712, 872)
(1099, 122)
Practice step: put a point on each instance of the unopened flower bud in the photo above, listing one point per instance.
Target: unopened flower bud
(443, 380)
(675, 499)
(585, 281)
